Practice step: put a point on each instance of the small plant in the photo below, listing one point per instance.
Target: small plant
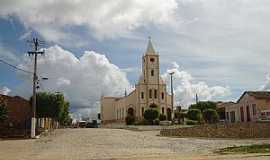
(150, 115)
(130, 120)
(162, 117)
(195, 114)
(191, 122)
(210, 116)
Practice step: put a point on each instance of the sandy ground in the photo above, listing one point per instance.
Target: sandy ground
(113, 144)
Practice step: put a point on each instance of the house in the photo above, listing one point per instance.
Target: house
(19, 115)
(149, 92)
(251, 106)
(221, 108)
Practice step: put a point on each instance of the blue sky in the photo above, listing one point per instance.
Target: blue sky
(218, 48)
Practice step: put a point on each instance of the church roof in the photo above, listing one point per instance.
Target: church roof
(150, 48)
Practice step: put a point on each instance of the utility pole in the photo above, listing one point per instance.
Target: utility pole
(197, 99)
(35, 53)
(172, 113)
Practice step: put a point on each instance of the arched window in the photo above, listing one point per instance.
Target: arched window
(155, 93)
(142, 95)
(152, 72)
(150, 93)
(162, 95)
(162, 110)
(142, 111)
(152, 59)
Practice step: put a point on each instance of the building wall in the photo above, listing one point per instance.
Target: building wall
(19, 112)
(232, 113)
(245, 108)
(248, 109)
(107, 109)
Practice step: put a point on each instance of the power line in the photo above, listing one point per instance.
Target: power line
(15, 67)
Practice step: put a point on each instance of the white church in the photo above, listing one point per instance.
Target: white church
(150, 92)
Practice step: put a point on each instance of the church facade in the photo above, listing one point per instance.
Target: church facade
(150, 92)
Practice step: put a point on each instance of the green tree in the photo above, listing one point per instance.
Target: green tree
(53, 105)
(210, 116)
(195, 114)
(150, 115)
(3, 110)
(204, 105)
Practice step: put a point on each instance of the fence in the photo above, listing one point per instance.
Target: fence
(46, 124)
(23, 130)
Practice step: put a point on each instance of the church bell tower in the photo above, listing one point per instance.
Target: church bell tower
(150, 65)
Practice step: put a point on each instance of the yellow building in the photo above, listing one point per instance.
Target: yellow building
(150, 92)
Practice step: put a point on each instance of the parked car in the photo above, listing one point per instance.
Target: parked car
(92, 124)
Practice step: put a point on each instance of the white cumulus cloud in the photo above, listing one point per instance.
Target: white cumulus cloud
(5, 90)
(106, 19)
(83, 80)
(185, 87)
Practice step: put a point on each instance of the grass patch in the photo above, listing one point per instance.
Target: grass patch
(256, 148)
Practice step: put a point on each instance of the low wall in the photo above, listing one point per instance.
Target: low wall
(228, 130)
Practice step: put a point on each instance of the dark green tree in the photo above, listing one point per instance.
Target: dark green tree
(210, 116)
(203, 105)
(195, 114)
(3, 110)
(150, 115)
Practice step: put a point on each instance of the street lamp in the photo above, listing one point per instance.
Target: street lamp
(172, 113)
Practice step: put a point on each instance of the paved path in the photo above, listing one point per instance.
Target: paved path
(85, 144)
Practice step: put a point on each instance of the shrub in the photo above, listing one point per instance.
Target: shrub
(210, 116)
(162, 117)
(191, 122)
(195, 114)
(150, 115)
(130, 120)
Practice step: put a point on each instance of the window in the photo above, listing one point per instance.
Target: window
(150, 93)
(162, 95)
(254, 109)
(248, 113)
(162, 110)
(142, 111)
(152, 59)
(142, 95)
(152, 72)
(242, 114)
(155, 93)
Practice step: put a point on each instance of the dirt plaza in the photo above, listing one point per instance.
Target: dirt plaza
(84, 144)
